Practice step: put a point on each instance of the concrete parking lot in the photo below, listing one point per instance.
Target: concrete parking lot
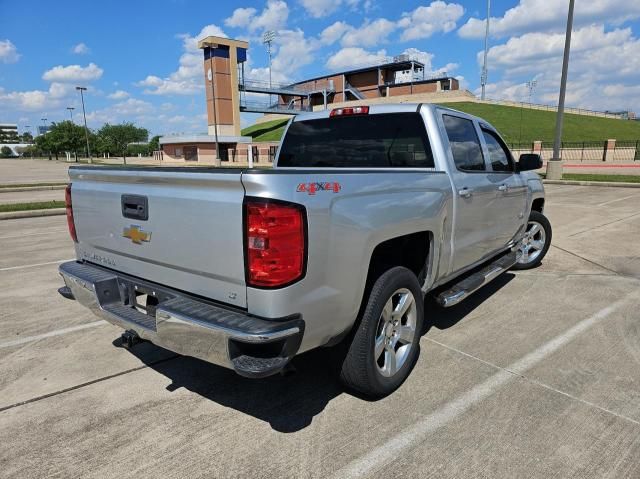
(537, 375)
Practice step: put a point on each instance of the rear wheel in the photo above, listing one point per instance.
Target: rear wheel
(385, 346)
(536, 242)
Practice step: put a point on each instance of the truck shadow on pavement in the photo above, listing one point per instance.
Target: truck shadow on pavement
(290, 402)
(438, 317)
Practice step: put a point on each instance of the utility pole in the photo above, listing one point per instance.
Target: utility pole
(267, 39)
(483, 77)
(70, 108)
(86, 130)
(554, 167)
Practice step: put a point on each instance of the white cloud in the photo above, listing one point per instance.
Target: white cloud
(354, 56)
(294, 51)
(73, 73)
(187, 79)
(334, 32)
(118, 95)
(369, 34)
(38, 100)
(8, 52)
(273, 17)
(599, 59)
(322, 8)
(551, 15)
(241, 17)
(425, 21)
(81, 49)
(190, 44)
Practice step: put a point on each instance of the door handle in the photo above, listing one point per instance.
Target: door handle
(503, 188)
(465, 192)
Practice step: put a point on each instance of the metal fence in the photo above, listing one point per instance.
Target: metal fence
(577, 111)
(579, 151)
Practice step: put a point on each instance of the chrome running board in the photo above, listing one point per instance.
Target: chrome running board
(470, 284)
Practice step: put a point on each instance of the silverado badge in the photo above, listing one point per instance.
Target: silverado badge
(136, 235)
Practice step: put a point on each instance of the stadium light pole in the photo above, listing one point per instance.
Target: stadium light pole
(86, 130)
(554, 166)
(267, 39)
(70, 108)
(483, 77)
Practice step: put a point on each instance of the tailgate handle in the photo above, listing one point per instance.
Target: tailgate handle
(135, 207)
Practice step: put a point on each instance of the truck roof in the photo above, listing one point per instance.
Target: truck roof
(380, 108)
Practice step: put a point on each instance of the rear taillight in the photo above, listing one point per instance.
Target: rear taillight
(69, 207)
(275, 238)
(350, 110)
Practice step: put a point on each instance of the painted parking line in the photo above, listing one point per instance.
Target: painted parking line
(11, 268)
(386, 453)
(50, 334)
(618, 199)
(34, 234)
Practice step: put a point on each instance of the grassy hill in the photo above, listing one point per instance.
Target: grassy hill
(536, 125)
(267, 131)
(540, 124)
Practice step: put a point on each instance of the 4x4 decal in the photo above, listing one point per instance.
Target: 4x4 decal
(312, 188)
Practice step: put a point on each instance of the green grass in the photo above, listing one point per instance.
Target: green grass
(267, 131)
(598, 177)
(29, 185)
(540, 124)
(536, 125)
(38, 205)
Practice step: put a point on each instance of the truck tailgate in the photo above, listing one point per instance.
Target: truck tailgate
(192, 239)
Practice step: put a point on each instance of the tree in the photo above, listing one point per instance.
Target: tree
(68, 136)
(154, 144)
(45, 144)
(120, 136)
(6, 152)
(27, 137)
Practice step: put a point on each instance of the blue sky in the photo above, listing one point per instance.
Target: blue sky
(140, 62)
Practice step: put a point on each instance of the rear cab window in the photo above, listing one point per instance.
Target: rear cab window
(383, 140)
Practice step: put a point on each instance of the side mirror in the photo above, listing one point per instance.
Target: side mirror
(529, 161)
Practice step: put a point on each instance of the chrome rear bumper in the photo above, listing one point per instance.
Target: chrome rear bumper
(252, 346)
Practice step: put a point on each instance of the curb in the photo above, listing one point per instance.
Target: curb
(615, 184)
(31, 188)
(14, 215)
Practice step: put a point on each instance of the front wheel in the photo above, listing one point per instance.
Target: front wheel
(536, 242)
(385, 346)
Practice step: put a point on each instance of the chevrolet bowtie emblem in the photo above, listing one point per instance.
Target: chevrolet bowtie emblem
(136, 235)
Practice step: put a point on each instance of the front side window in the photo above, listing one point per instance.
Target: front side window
(465, 145)
(382, 140)
(498, 153)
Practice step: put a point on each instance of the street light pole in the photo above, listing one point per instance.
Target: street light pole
(70, 108)
(483, 77)
(86, 130)
(554, 167)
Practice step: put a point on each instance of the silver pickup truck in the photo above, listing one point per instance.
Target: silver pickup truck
(366, 211)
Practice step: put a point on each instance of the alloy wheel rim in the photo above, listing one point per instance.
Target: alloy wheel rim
(395, 332)
(533, 243)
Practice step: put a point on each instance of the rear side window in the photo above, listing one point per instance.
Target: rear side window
(498, 152)
(465, 145)
(363, 141)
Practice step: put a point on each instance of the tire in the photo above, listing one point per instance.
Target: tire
(386, 329)
(536, 243)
